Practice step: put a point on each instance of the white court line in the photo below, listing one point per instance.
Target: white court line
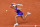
(28, 25)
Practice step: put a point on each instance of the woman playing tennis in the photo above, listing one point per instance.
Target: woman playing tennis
(18, 11)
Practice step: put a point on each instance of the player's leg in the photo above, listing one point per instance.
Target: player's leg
(28, 13)
(16, 18)
(23, 16)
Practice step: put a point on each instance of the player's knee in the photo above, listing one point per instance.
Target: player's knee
(15, 16)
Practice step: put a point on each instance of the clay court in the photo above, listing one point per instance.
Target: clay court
(7, 19)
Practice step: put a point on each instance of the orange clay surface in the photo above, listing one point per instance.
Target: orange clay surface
(7, 19)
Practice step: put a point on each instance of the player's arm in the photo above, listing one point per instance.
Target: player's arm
(19, 4)
(19, 8)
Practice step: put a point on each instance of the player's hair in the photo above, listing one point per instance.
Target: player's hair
(11, 4)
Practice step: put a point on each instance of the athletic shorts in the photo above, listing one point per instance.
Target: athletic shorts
(20, 13)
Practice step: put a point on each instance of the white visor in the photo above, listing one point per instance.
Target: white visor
(14, 5)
